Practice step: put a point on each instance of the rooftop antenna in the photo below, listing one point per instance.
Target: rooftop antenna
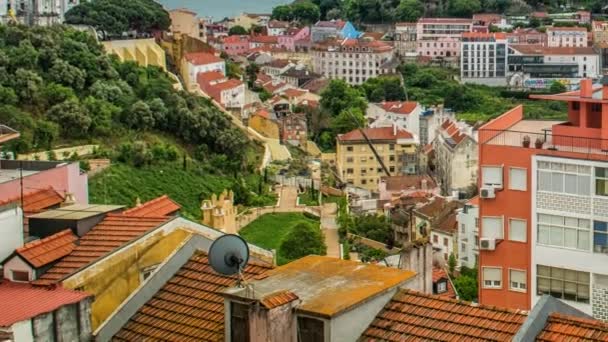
(229, 255)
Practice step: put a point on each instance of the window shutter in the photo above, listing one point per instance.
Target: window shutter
(517, 230)
(492, 227)
(517, 179)
(491, 175)
(518, 276)
(490, 273)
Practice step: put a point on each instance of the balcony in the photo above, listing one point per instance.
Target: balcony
(554, 138)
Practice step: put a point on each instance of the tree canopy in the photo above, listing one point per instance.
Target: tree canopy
(237, 30)
(303, 240)
(305, 12)
(113, 17)
(410, 10)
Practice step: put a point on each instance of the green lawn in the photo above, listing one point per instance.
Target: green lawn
(308, 199)
(269, 230)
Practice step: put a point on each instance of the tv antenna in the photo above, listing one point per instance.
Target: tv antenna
(229, 255)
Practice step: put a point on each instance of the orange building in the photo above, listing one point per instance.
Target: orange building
(544, 205)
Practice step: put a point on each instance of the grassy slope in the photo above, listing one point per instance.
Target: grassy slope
(187, 187)
(269, 230)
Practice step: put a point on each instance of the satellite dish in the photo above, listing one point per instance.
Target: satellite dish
(229, 254)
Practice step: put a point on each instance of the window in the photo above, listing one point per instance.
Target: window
(435, 239)
(600, 237)
(563, 231)
(20, 275)
(564, 178)
(310, 330)
(492, 176)
(492, 227)
(563, 283)
(492, 277)
(146, 272)
(349, 159)
(445, 242)
(239, 322)
(349, 171)
(517, 179)
(601, 181)
(349, 148)
(517, 280)
(442, 287)
(517, 230)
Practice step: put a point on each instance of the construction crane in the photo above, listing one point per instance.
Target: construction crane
(371, 146)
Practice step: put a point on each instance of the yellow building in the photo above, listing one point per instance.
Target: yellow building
(143, 51)
(262, 123)
(219, 212)
(247, 20)
(184, 21)
(357, 165)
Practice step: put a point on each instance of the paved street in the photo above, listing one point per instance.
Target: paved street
(329, 227)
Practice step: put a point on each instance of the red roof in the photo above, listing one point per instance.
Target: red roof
(380, 133)
(37, 200)
(445, 20)
(495, 35)
(189, 307)
(438, 274)
(474, 201)
(399, 107)
(565, 28)
(202, 58)
(236, 39)
(560, 327)
(52, 248)
(277, 299)
(545, 50)
(113, 232)
(263, 113)
(22, 301)
(264, 39)
(161, 206)
(292, 92)
(415, 316)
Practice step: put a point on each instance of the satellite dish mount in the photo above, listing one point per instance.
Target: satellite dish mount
(228, 255)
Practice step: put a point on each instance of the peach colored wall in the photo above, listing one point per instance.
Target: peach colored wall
(568, 135)
(66, 178)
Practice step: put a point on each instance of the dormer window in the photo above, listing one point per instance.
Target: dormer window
(21, 276)
(442, 286)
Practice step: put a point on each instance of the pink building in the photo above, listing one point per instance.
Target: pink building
(527, 36)
(236, 45)
(63, 177)
(289, 39)
(440, 37)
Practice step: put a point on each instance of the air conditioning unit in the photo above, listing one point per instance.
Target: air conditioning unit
(487, 244)
(487, 192)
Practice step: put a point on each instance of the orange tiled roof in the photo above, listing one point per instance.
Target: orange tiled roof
(560, 327)
(202, 58)
(438, 274)
(474, 201)
(292, 92)
(189, 307)
(264, 39)
(380, 133)
(414, 316)
(160, 206)
(113, 232)
(399, 107)
(279, 298)
(52, 248)
(573, 28)
(38, 200)
(434, 208)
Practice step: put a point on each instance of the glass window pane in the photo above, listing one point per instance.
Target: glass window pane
(601, 172)
(584, 183)
(544, 271)
(583, 277)
(557, 220)
(557, 238)
(571, 168)
(570, 275)
(517, 230)
(517, 179)
(601, 187)
(570, 288)
(543, 234)
(584, 224)
(557, 182)
(557, 273)
(543, 284)
(557, 166)
(570, 240)
(557, 286)
(544, 181)
(600, 226)
(544, 218)
(571, 221)
(491, 175)
(583, 240)
(544, 165)
(600, 242)
(571, 183)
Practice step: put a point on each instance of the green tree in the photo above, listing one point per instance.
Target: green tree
(303, 240)
(374, 227)
(53, 93)
(466, 288)
(72, 117)
(140, 116)
(451, 263)
(8, 96)
(348, 120)
(306, 12)
(557, 87)
(386, 88)
(44, 134)
(464, 8)
(237, 30)
(410, 10)
(339, 95)
(282, 12)
(63, 73)
(28, 86)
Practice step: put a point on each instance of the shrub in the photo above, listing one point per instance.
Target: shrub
(303, 240)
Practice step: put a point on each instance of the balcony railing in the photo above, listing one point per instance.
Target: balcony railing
(546, 141)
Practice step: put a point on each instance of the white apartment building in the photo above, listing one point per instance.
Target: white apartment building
(484, 58)
(201, 62)
(277, 28)
(405, 39)
(570, 232)
(440, 37)
(468, 234)
(353, 60)
(567, 37)
(403, 114)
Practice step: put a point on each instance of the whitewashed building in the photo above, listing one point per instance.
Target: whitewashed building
(567, 37)
(403, 114)
(483, 58)
(468, 234)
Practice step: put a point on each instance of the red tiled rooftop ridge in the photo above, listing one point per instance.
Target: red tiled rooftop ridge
(52, 248)
(415, 316)
(439, 273)
(560, 327)
(278, 298)
(379, 133)
(22, 301)
(160, 206)
(189, 307)
(202, 58)
(38, 200)
(114, 231)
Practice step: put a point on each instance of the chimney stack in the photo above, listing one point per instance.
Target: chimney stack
(424, 184)
(604, 82)
(68, 200)
(586, 88)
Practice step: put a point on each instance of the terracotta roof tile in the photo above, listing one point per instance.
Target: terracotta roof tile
(160, 206)
(202, 58)
(399, 107)
(37, 201)
(440, 273)
(21, 301)
(52, 248)
(561, 327)
(434, 208)
(110, 234)
(279, 298)
(264, 39)
(189, 307)
(414, 316)
(546, 50)
(380, 133)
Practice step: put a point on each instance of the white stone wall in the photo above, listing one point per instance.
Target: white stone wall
(11, 231)
(467, 234)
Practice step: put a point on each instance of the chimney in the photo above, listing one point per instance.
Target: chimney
(586, 88)
(424, 184)
(395, 130)
(137, 202)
